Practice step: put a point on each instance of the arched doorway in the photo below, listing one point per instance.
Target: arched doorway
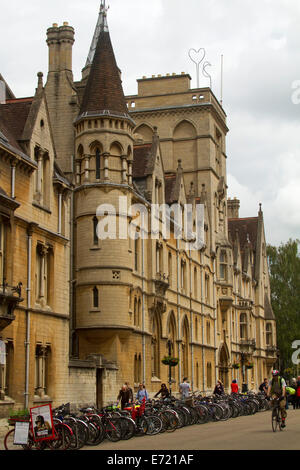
(224, 365)
(185, 349)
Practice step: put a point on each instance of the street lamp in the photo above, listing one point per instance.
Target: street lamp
(243, 361)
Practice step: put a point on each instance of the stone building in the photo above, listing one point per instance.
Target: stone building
(81, 313)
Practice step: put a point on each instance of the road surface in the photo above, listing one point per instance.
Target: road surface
(243, 433)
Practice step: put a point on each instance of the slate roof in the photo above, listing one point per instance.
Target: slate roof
(143, 161)
(246, 227)
(13, 117)
(247, 231)
(104, 90)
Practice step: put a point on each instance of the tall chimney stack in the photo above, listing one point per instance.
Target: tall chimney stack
(233, 206)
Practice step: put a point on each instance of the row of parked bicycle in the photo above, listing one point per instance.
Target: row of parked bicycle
(91, 426)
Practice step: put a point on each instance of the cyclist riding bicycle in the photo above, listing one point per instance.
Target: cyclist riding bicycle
(276, 390)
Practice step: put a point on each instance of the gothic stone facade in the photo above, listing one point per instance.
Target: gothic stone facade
(80, 315)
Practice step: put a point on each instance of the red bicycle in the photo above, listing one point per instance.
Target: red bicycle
(60, 440)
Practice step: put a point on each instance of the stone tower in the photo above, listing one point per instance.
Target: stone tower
(103, 173)
(61, 94)
(192, 127)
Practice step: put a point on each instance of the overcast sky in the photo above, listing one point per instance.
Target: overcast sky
(260, 44)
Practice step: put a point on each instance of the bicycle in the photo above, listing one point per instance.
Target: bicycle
(276, 415)
(61, 439)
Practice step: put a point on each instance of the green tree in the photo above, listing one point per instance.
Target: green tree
(284, 265)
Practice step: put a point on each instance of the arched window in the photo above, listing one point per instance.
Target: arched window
(136, 369)
(136, 254)
(208, 375)
(139, 313)
(42, 359)
(95, 235)
(135, 311)
(243, 326)
(170, 267)
(183, 276)
(172, 334)
(159, 258)
(155, 347)
(195, 283)
(95, 297)
(206, 288)
(196, 329)
(185, 349)
(98, 164)
(208, 332)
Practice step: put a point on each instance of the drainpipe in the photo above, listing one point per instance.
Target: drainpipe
(202, 322)
(71, 285)
(143, 308)
(215, 320)
(59, 211)
(191, 316)
(13, 180)
(178, 308)
(28, 289)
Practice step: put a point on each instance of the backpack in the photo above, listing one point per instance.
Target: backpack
(276, 386)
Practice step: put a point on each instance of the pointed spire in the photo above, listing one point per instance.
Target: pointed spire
(103, 93)
(100, 26)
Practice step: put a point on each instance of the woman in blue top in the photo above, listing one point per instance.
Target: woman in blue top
(142, 393)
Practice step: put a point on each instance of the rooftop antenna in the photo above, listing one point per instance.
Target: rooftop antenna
(197, 57)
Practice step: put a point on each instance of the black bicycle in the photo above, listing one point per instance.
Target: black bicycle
(276, 415)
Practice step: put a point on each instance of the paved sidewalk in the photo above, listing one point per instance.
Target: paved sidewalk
(4, 427)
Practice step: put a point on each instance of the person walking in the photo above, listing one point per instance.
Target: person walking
(297, 399)
(234, 387)
(264, 386)
(142, 393)
(130, 392)
(164, 392)
(219, 388)
(294, 396)
(184, 389)
(124, 396)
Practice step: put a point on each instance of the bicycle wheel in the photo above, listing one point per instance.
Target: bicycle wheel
(113, 430)
(154, 425)
(141, 426)
(62, 439)
(127, 426)
(10, 445)
(9, 441)
(275, 419)
(169, 420)
(202, 412)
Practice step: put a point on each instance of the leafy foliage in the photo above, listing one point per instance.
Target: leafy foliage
(284, 265)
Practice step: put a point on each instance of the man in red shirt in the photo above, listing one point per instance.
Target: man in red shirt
(234, 387)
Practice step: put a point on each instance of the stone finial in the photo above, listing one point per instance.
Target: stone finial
(40, 85)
